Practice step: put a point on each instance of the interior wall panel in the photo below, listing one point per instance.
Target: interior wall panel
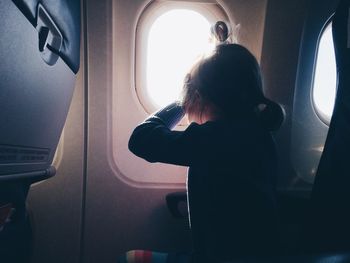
(280, 53)
(250, 16)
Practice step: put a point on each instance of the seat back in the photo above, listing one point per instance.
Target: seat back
(39, 51)
(328, 227)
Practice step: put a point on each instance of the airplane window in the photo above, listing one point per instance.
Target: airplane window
(176, 39)
(325, 76)
(314, 98)
(167, 39)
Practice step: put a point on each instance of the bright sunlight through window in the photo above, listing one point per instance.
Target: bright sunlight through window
(176, 40)
(325, 76)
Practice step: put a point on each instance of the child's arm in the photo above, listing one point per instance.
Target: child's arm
(154, 141)
(169, 115)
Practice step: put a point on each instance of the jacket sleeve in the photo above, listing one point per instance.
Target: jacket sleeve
(154, 141)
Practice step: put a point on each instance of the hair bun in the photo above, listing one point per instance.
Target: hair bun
(271, 115)
(221, 32)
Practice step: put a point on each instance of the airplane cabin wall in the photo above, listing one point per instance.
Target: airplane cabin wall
(279, 63)
(88, 210)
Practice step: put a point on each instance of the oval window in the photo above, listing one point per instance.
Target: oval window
(170, 38)
(325, 78)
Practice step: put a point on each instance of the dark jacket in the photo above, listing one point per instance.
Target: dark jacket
(231, 180)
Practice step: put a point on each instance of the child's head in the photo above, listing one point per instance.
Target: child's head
(228, 85)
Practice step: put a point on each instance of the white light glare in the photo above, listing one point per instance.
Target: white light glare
(325, 75)
(176, 40)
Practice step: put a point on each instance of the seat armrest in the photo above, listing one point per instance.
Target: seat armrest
(177, 204)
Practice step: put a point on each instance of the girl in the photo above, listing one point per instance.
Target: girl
(229, 151)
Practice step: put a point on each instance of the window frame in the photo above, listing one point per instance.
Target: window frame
(211, 11)
(308, 130)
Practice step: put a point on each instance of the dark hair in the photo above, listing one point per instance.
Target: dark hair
(230, 79)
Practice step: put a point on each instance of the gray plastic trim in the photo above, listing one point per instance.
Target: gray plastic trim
(33, 176)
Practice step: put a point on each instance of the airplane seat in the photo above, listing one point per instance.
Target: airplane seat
(40, 55)
(328, 226)
(66, 15)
